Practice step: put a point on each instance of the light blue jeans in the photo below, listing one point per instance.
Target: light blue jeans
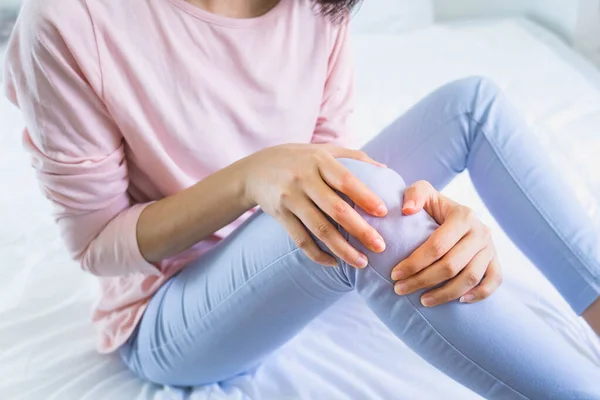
(223, 314)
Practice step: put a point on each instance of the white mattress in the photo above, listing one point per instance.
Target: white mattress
(47, 343)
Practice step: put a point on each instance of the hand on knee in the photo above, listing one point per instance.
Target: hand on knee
(460, 255)
(402, 234)
(296, 184)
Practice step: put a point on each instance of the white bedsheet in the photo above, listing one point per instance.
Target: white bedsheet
(46, 341)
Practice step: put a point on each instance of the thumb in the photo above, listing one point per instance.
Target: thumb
(416, 197)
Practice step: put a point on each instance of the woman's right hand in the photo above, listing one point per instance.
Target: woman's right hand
(296, 185)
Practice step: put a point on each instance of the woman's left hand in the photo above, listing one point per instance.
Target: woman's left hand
(460, 252)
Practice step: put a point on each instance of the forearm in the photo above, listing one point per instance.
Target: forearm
(177, 222)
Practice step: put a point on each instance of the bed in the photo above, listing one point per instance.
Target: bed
(47, 342)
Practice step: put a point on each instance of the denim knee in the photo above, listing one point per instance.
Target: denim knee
(402, 233)
(475, 87)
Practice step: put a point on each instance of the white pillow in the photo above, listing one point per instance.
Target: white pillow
(391, 16)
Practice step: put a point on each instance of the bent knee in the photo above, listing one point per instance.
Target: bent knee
(474, 89)
(402, 233)
(384, 182)
(473, 84)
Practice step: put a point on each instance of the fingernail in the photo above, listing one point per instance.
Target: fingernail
(362, 261)
(381, 210)
(397, 274)
(427, 301)
(379, 244)
(467, 298)
(409, 204)
(400, 288)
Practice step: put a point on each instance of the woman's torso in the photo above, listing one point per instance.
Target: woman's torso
(191, 93)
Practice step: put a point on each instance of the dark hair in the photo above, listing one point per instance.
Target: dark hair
(337, 10)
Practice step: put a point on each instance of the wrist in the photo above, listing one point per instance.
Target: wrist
(242, 173)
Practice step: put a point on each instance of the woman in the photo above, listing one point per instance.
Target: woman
(157, 126)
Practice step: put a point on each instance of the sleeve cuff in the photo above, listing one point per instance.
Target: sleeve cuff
(134, 260)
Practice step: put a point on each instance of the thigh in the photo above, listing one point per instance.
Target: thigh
(221, 315)
(429, 141)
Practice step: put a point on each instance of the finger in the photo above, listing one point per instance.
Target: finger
(440, 207)
(491, 281)
(446, 268)
(416, 196)
(344, 214)
(341, 152)
(439, 243)
(305, 242)
(340, 178)
(470, 277)
(323, 229)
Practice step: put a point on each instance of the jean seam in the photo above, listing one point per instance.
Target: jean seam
(446, 340)
(538, 208)
(184, 331)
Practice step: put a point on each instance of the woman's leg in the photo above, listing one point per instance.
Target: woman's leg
(469, 124)
(222, 315)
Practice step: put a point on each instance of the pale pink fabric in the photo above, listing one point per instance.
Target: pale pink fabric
(126, 102)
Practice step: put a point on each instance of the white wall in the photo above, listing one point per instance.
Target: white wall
(581, 26)
(9, 3)
(445, 9)
(560, 15)
(578, 21)
(564, 16)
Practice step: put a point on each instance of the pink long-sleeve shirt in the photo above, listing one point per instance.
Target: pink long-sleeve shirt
(126, 102)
